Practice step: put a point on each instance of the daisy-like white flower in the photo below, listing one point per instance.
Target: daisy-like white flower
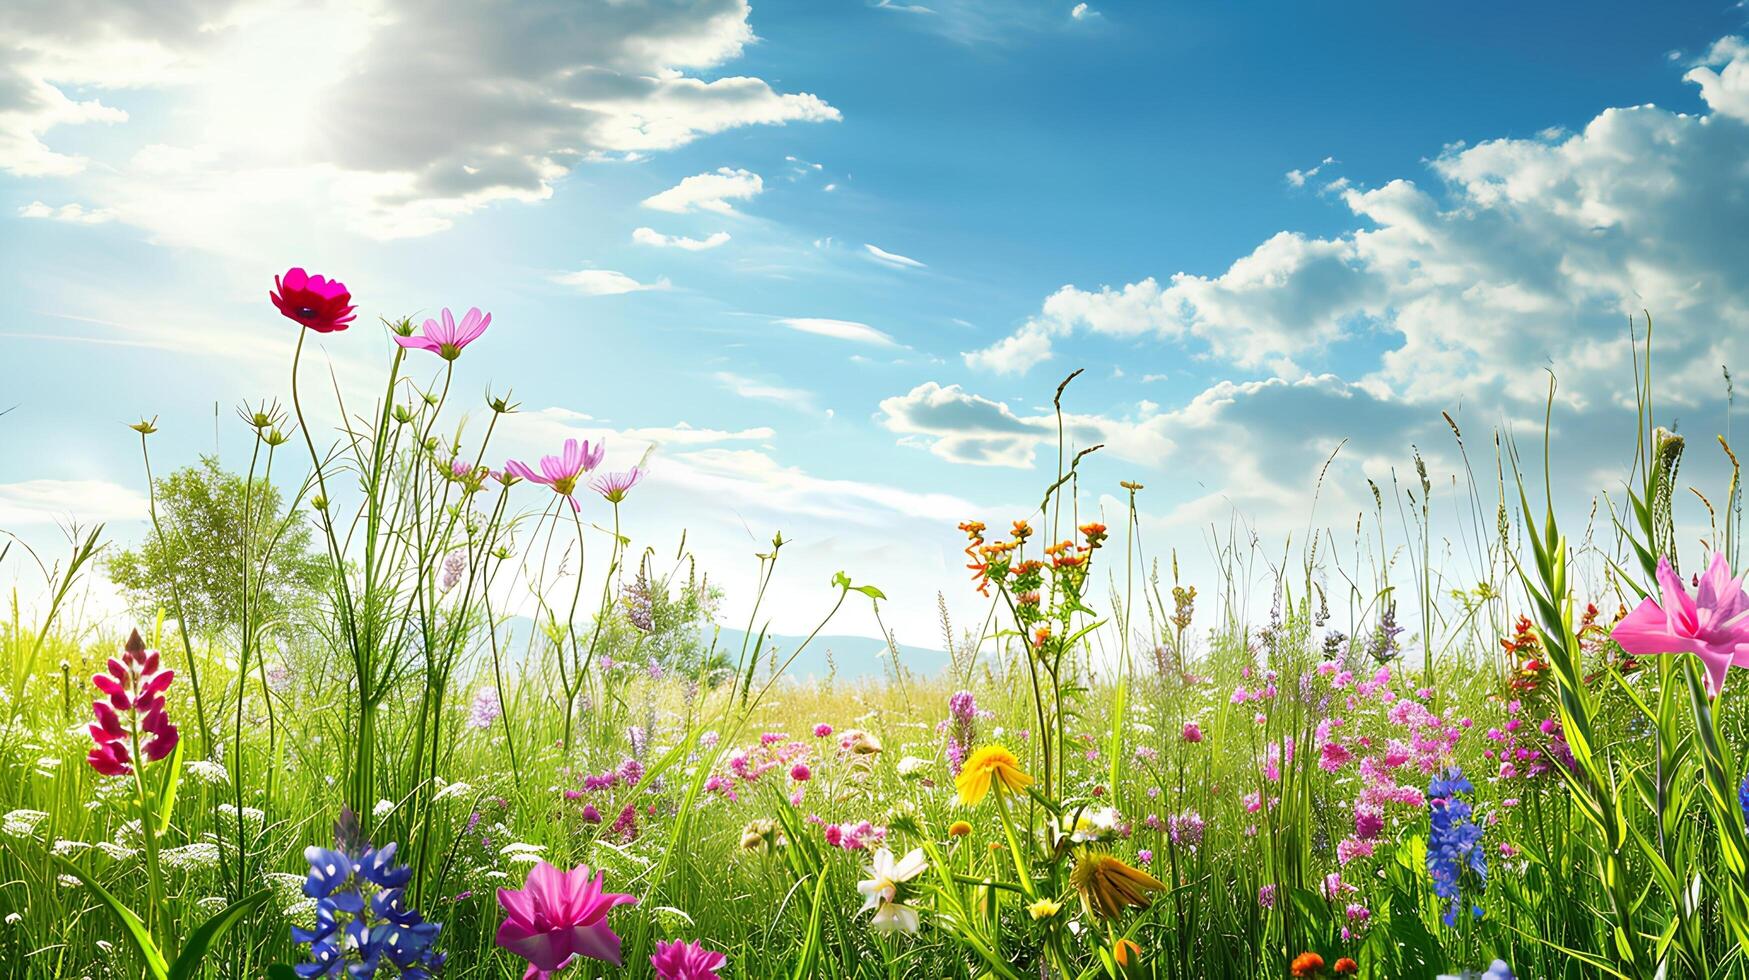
(881, 891)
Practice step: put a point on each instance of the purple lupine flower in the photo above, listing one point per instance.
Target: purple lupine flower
(454, 564)
(626, 826)
(640, 604)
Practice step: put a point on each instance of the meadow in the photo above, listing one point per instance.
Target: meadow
(331, 750)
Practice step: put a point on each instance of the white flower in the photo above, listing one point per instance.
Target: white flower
(208, 772)
(190, 856)
(382, 809)
(22, 823)
(888, 875)
(911, 767)
(892, 917)
(1096, 825)
(453, 789)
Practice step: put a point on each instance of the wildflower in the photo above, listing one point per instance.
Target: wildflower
(990, 763)
(1266, 896)
(962, 712)
(1108, 886)
(485, 710)
(561, 472)
(911, 767)
(799, 772)
(1307, 965)
(1713, 624)
(1345, 966)
(1192, 732)
(558, 916)
(822, 730)
(614, 487)
(1454, 841)
(686, 961)
(135, 685)
(960, 828)
(881, 890)
(360, 919)
(1126, 951)
(447, 339)
(318, 303)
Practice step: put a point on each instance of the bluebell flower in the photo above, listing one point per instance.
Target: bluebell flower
(363, 923)
(1454, 841)
(1743, 801)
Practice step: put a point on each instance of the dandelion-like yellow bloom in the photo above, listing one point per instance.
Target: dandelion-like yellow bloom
(1108, 886)
(992, 762)
(1044, 908)
(959, 828)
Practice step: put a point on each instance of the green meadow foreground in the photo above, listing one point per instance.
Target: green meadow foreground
(331, 751)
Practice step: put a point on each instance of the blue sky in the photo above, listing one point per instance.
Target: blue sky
(1374, 213)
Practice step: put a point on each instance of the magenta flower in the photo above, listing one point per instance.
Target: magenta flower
(321, 304)
(562, 472)
(132, 719)
(686, 961)
(558, 916)
(447, 339)
(1713, 624)
(615, 486)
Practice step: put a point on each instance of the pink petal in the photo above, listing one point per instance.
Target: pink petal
(1645, 631)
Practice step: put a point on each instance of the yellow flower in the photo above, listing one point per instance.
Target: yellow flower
(987, 763)
(1044, 908)
(959, 828)
(1108, 886)
(1126, 952)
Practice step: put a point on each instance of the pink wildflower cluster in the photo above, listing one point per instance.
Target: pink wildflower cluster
(859, 836)
(745, 766)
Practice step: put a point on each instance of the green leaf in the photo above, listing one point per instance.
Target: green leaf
(187, 965)
(131, 924)
(281, 971)
(167, 789)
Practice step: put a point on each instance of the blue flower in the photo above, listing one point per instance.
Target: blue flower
(362, 920)
(1454, 841)
(1743, 800)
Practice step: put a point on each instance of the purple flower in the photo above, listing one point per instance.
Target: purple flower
(562, 472)
(615, 486)
(447, 339)
(686, 961)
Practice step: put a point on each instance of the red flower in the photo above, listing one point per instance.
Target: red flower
(321, 304)
(1307, 965)
(1346, 966)
(133, 714)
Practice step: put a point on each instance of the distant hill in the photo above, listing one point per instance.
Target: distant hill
(856, 657)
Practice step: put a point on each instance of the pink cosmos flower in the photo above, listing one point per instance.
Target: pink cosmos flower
(614, 486)
(1713, 624)
(321, 304)
(558, 916)
(447, 339)
(133, 714)
(561, 472)
(686, 961)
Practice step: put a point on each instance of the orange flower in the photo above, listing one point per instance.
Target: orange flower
(1126, 952)
(1346, 966)
(959, 828)
(1022, 530)
(1094, 533)
(1307, 965)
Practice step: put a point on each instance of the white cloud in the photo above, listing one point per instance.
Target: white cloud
(708, 192)
(1082, 12)
(605, 282)
(72, 212)
(746, 387)
(963, 427)
(399, 116)
(63, 501)
(860, 333)
(1521, 253)
(650, 236)
(893, 259)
